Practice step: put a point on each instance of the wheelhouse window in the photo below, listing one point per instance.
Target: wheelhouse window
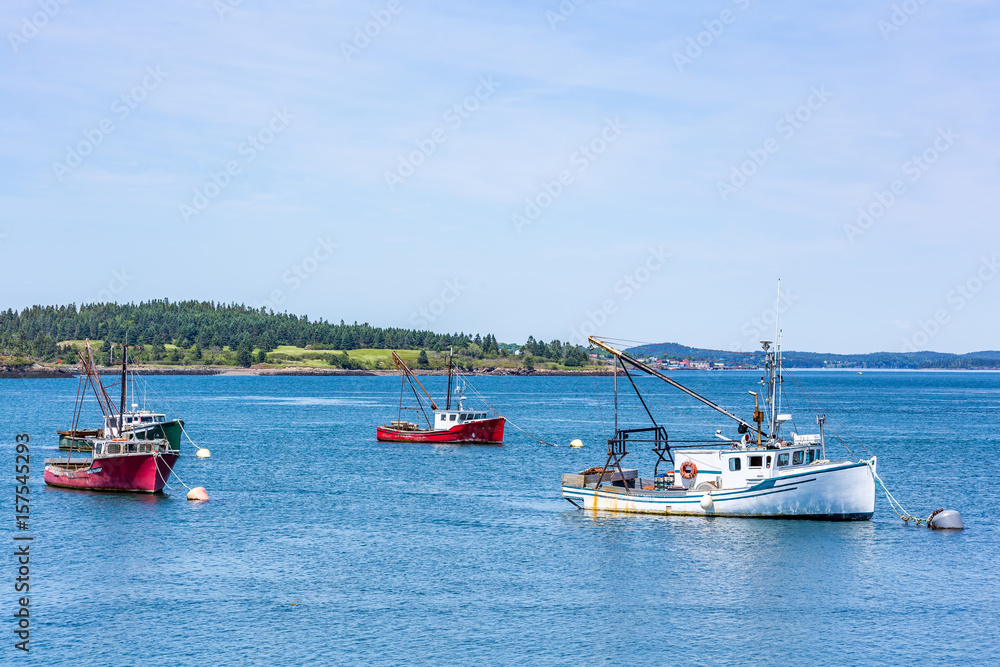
(768, 461)
(798, 457)
(756, 461)
(735, 463)
(452, 417)
(782, 459)
(810, 455)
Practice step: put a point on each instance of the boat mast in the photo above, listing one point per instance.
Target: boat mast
(777, 359)
(410, 377)
(121, 411)
(616, 394)
(775, 375)
(94, 379)
(451, 353)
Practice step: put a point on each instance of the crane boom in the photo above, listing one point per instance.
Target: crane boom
(646, 369)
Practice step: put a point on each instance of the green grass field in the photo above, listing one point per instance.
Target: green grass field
(291, 355)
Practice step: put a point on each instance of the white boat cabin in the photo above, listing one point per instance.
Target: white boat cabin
(745, 465)
(446, 419)
(134, 419)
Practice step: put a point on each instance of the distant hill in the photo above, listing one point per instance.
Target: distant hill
(987, 359)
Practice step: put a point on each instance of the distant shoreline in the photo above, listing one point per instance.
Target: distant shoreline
(38, 371)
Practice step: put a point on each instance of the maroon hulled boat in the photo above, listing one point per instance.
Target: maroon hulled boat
(458, 425)
(122, 461)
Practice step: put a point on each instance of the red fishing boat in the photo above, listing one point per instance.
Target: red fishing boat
(121, 461)
(458, 425)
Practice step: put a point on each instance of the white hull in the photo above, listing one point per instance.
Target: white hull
(842, 491)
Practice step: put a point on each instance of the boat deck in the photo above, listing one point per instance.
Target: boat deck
(72, 464)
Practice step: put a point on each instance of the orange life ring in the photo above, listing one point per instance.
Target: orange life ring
(688, 470)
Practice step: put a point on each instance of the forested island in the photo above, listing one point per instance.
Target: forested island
(208, 334)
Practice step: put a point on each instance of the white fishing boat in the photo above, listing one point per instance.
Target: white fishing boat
(761, 474)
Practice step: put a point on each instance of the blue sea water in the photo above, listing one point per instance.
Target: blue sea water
(321, 546)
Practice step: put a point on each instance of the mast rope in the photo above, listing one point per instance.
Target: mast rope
(600, 408)
(507, 419)
(817, 405)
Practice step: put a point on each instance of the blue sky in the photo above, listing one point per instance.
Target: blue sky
(638, 170)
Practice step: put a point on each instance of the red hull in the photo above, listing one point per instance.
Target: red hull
(144, 473)
(483, 431)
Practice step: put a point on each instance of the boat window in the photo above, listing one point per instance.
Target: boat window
(810, 455)
(797, 458)
(452, 417)
(756, 461)
(159, 419)
(131, 448)
(734, 463)
(768, 461)
(147, 419)
(782, 459)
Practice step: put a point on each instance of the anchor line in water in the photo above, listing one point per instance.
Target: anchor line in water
(506, 419)
(898, 508)
(174, 473)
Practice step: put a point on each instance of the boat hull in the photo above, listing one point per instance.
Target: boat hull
(142, 473)
(169, 431)
(483, 431)
(842, 492)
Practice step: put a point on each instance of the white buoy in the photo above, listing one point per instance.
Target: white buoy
(576, 444)
(707, 502)
(946, 519)
(203, 453)
(197, 493)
